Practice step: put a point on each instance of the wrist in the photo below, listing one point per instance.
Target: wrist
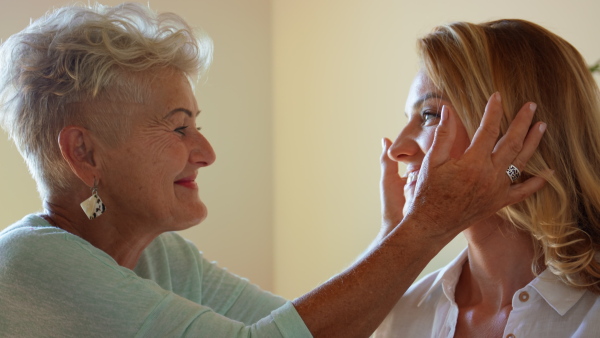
(425, 232)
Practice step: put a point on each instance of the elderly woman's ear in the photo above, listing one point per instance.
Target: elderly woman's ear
(78, 147)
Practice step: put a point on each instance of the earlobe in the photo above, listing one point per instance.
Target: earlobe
(77, 148)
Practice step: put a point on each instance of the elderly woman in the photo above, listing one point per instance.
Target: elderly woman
(99, 103)
(532, 269)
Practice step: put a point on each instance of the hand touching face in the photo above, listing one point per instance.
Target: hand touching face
(454, 182)
(423, 110)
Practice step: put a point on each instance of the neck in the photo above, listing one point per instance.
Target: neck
(499, 263)
(121, 239)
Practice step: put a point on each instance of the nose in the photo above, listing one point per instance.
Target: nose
(405, 147)
(202, 153)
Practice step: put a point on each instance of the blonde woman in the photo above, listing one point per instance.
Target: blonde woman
(531, 270)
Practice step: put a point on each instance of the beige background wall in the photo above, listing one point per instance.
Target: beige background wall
(296, 103)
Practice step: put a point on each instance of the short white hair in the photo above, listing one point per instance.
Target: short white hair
(82, 54)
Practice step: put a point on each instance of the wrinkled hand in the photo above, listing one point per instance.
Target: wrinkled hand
(453, 193)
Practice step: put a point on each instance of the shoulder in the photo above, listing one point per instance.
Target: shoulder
(559, 298)
(34, 242)
(31, 228)
(60, 279)
(32, 250)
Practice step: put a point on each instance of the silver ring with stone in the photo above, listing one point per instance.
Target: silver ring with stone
(513, 173)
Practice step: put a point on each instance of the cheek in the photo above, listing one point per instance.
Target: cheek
(152, 166)
(165, 154)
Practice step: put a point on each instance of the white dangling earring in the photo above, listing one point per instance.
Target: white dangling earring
(93, 206)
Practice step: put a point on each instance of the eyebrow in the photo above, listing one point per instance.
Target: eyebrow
(425, 97)
(186, 111)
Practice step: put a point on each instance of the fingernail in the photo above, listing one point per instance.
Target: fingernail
(383, 143)
(542, 127)
(532, 106)
(498, 97)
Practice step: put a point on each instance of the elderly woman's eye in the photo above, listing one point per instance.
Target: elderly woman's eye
(181, 130)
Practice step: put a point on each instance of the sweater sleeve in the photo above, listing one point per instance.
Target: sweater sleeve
(56, 284)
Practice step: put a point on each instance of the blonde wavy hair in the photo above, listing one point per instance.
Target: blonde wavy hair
(525, 62)
(75, 65)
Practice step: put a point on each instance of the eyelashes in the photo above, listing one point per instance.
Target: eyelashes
(430, 117)
(181, 130)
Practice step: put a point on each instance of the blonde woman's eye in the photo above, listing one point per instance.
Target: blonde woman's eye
(430, 117)
(181, 130)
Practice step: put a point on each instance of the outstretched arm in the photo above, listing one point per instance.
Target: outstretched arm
(451, 194)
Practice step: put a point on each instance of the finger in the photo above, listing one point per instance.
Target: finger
(389, 167)
(532, 140)
(486, 135)
(445, 133)
(520, 191)
(511, 144)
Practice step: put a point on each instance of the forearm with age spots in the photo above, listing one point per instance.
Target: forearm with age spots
(355, 302)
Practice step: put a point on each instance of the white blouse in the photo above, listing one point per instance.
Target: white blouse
(545, 307)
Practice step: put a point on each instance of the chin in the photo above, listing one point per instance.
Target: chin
(193, 217)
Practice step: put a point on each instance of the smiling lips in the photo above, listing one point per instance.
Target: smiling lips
(188, 182)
